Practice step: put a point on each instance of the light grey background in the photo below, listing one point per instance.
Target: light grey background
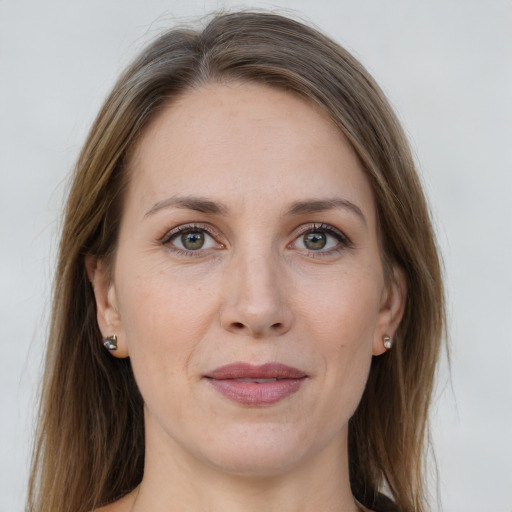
(446, 66)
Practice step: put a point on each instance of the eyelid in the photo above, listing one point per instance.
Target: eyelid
(214, 234)
(322, 227)
(193, 226)
(343, 239)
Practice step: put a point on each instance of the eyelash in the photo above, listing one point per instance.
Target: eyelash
(185, 228)
(343, 241)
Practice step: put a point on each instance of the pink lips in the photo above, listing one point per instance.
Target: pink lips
(256, 385)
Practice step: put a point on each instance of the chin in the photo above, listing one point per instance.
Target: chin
(260, 452)
(256, 463)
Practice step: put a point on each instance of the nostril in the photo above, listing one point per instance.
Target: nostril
(238, 325)
(277, 326)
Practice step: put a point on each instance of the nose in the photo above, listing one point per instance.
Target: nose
(256, 302)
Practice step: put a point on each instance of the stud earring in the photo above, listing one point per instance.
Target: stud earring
(110, 342)
(388, 342)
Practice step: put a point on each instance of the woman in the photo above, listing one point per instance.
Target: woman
(248, 305)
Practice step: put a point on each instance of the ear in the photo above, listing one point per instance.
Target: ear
(107, 311)
(392, 309)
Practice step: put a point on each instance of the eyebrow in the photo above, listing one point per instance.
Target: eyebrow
(322, 205)
(203, 205)
(198, 204)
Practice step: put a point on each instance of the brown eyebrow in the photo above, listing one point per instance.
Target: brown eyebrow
(199, 204)
(203, 205)
(321, 205)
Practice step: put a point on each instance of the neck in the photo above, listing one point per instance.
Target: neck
(174, 481)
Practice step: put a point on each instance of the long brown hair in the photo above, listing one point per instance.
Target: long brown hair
(90, 444)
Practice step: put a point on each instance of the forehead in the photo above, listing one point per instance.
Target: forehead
(248, 139)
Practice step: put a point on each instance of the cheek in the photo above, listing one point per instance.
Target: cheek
(345, 317)
(345, 308)
(163, 320)
(157, 301)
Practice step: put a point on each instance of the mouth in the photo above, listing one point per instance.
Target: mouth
(256, 385)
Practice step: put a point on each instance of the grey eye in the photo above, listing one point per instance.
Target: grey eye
(315, 241)
(321, 239)
(192, 241)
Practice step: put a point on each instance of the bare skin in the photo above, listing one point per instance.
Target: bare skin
(249, 234)
(126, 504)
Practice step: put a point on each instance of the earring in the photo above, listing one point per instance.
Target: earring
(388, 342)
(110, 342)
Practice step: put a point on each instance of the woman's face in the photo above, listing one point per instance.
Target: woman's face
(248, 288)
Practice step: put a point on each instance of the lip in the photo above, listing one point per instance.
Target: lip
(239, 382)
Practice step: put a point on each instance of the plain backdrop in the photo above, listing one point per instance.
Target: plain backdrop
(446, 66)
